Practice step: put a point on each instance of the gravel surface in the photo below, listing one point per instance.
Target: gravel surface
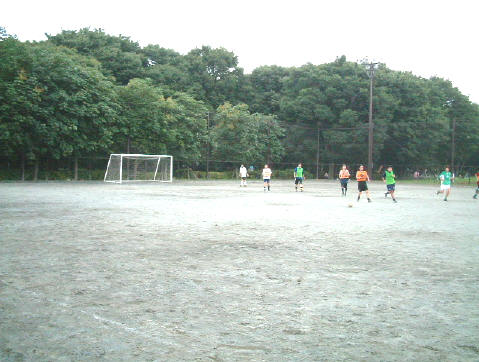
(211, 271)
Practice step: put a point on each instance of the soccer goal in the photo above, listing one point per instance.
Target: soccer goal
(123, 167)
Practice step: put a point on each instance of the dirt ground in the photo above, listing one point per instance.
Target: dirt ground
(212, 271)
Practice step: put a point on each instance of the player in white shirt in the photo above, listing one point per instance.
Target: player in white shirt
(243, 174)
(267, 177)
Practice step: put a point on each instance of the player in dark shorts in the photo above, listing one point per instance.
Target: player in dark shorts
(344, 179)
(477, 190)
(362, 178)
(299, 177)
(390, 179)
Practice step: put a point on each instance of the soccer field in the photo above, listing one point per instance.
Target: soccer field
(211, 271)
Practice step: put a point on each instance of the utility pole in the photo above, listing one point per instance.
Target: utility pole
(317, 156)
(371, 69)
(208, 146)
(453, 145)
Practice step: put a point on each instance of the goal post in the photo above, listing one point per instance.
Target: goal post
(126, 167)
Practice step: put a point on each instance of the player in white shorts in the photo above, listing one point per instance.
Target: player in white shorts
(446, 178)
(243, 174)
(267, 177)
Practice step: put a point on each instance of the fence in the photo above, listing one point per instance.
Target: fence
(93, 168)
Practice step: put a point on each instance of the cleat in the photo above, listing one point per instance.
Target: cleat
(386, 194)
(395, 201)
(369, 200)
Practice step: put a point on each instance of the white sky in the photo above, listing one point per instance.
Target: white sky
(427, 37)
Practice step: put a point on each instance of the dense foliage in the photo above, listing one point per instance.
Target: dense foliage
(86, 93)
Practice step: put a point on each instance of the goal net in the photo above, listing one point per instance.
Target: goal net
(136, 167)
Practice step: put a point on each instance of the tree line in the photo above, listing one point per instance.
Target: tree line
(86, 93)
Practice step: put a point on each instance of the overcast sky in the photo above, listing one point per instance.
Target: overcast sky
(426, 37)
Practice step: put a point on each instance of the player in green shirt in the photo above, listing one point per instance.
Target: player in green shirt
(390, 179)
(299, 177)
(446, 178)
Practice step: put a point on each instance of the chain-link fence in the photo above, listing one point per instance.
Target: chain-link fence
(93, 168)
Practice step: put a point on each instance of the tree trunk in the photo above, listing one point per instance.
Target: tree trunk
(23, 167)
(75, 167)
(47, 167)
(89, 169)
(331, 171)
(35, 170)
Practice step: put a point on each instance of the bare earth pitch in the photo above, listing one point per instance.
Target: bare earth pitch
(209, 270)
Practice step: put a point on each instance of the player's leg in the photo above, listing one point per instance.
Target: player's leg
(368, 195)
(448, 191)
(269, 185)
(477, 193)
(265, 183)
(343, 187)
(441, 190)
(301, 187)
(296, 184)
(392, 190)
(346, 187)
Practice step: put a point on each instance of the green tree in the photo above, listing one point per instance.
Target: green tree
(214, 74)
(239, 135)
(60, 104)
(188, 128)
(118, 55)
(144, 117)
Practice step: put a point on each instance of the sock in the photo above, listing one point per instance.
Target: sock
(268, 188)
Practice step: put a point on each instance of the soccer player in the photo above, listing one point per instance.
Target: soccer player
(344, 179)
(299, 177)
(446, 177)
(390, 179)
(243, 175)
(362, 178)
(267, 177)
(477, 190)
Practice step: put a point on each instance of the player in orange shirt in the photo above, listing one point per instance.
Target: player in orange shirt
(362, 178)
(477, 190)
(344, 178)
